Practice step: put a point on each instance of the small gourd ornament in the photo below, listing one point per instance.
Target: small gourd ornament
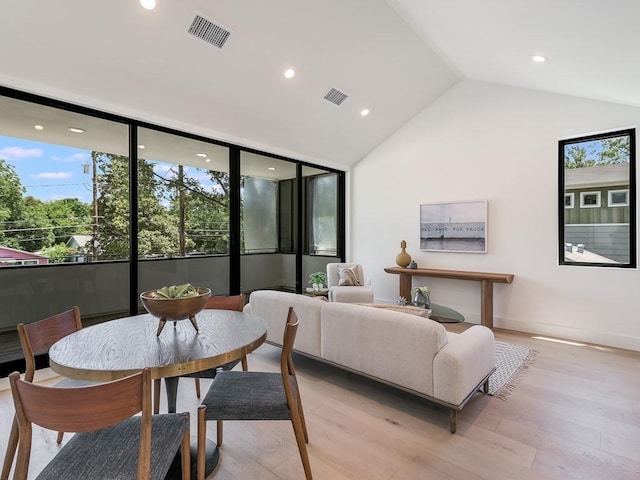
(403, 258)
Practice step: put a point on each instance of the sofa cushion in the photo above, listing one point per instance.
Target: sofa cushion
(272, 306)
(393, 346)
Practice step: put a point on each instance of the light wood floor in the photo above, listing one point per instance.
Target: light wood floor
(574, 415)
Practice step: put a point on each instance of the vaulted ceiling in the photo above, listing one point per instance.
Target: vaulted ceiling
(391, 57)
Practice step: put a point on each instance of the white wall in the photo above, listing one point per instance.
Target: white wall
(486, 141)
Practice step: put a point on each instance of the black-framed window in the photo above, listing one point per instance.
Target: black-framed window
(597, 172)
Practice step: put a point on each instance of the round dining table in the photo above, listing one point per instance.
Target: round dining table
(122, 347)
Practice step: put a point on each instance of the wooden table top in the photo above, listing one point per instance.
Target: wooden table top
(121, 347)
(454, 274)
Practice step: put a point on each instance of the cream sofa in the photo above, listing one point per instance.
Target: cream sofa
(406, 351)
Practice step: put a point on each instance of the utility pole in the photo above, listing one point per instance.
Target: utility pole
(181, 235)
(94, 239)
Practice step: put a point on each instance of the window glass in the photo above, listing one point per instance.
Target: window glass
(268, 217)
(589, 199)
(618, 198)
(183, 196)
(57, 188)
(323, 207)
(321, 222)
(259, 217)
(568, 200)
(600, 171)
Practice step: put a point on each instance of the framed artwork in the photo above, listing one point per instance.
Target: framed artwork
(454, 227)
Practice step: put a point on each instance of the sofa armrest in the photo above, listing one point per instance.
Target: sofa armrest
(463, 363)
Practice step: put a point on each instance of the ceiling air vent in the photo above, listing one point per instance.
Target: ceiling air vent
(335, 96)
(209, 31)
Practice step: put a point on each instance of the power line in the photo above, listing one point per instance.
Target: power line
(42, 228)
(50, 219)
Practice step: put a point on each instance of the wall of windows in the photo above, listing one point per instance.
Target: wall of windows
(95, 208)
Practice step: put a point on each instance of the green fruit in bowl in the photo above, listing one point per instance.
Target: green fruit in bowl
(176, 291)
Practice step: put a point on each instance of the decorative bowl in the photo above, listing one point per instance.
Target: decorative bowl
(174, 309)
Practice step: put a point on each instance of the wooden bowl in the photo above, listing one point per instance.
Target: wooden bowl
(173, 309)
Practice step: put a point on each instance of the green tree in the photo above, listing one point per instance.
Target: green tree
(34, 230)
(68, 217)
(615, 150)
(607, 151)
(576, 156)
(206, 211)
(113, 205)
(157, 230)
(11, 204)
(58, 253)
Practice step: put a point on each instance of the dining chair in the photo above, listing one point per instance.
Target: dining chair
(36, 339)
(113, 441)
(241, 395)
(234, 303)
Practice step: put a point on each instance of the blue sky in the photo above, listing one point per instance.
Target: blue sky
(47, 171)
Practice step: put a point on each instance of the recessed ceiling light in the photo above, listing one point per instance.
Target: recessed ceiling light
(364, 112)
(77, 130)
(290, 73)
(207, 160)
(203, 155)
(142, 147)
(38, 127)
(538, 58)
(148, 4)
(271, 168)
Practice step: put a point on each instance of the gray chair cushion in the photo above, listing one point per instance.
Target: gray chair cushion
(112, 453)
(211, 372)
(247, 396)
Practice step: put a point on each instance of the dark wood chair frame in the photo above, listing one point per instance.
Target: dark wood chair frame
(85, 409)
(293, 400)
(36, 339)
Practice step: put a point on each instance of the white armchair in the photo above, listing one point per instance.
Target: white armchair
(346, 283)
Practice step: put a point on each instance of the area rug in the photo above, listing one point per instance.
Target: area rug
(512, 361)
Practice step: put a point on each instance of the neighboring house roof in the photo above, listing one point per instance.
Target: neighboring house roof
(7, 253)
(78, 241)
(598, 176)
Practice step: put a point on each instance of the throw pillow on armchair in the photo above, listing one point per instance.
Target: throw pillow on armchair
(348, 277)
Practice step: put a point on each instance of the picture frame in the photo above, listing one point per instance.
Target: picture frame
(454, 227)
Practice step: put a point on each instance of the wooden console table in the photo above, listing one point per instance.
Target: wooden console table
(486, 280)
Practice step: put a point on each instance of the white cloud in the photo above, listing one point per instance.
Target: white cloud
(75, 158)
(18, 153)
(53, 175)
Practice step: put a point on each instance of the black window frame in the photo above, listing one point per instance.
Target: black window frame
(562, 209)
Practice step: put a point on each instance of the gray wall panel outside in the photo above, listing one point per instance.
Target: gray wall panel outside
(210, 272)
(312, 264)
(102, 288)
(28, 294)
(611, 241)
(261, 271)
